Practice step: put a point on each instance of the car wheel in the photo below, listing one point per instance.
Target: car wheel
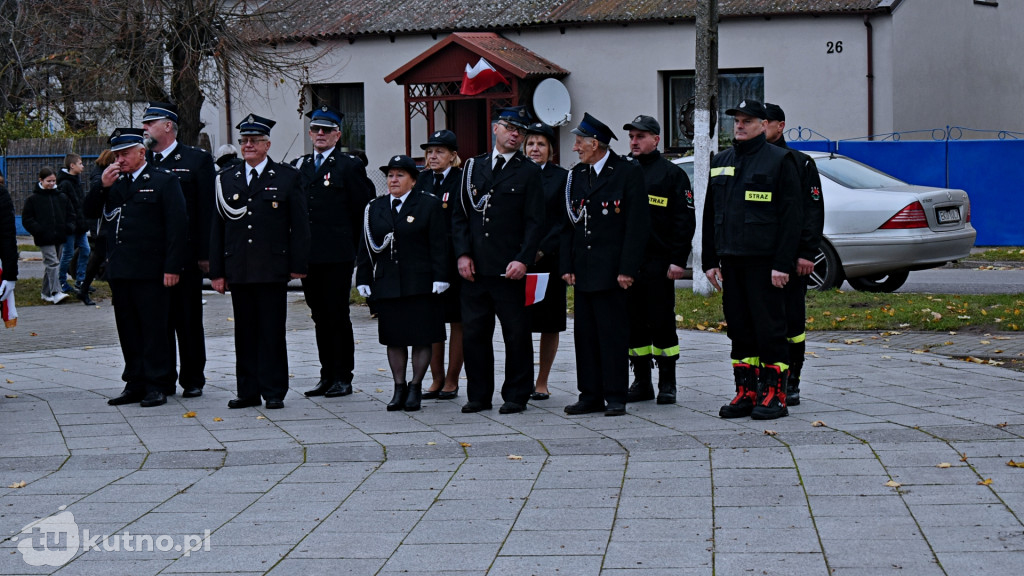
(880, 282)
(828, 271)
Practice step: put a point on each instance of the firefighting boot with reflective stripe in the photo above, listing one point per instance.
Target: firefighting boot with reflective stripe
(666, 380)
(746, 392)
(793, 384)
(771, 393)
(642, 388)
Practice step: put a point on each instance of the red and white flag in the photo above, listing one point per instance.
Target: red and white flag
(536, 287)
(8, 311)
(479, 78)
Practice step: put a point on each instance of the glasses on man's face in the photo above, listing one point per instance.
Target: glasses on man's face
(511, 128)
(253, 141)
(324, 129)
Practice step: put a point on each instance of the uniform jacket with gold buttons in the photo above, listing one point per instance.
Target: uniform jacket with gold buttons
(335, 197)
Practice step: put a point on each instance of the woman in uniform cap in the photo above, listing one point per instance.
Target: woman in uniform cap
(547, 317)
(442, 180)
(401, 263)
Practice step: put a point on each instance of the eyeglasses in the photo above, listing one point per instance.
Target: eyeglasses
(253, 141)
(324, 129)
(511, 128)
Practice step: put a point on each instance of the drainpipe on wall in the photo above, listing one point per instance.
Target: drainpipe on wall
(229, 124)
(871, 79)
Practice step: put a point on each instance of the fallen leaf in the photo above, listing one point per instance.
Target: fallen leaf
(431, 443)
(963, 458)
(952, 333)
(852, 340)
(833, 349)
(1002, 425)
(1015, 464)
(994, 338)
(944, 465)
(1, 366)
(33, 334)
(984, 342)
(465, 444)
(886, 357)
(918, 351)
(936, 316)
(514, 457)
(88, 348)
(818, 423)
(218, 419)
(985, 482)
(770, 432)
(189, 414)
(893, 484)
(997, 351)
(261, 417)
(379, 390)
(65, 370)
(230, 319)
(17, 485)
(382, 369)
(9, 381)
(10, 396)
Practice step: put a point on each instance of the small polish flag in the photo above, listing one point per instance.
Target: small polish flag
(479, 78)
(536, 287)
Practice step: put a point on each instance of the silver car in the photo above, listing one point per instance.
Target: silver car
(878, 229)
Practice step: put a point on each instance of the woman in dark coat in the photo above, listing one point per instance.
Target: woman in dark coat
(442, 180)
(548, 315)
(411, 224)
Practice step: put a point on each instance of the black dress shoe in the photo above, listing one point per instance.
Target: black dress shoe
(450, 395)
(540, 396)
(84, 297)
(431, 394)
(511, 408)
(153, 399)
(339, 389)
(583, 408)
(321, 388)
(125, 398)
(274, 404)
(244, 402)
(472, 407)
(615, 410)
(192, 392)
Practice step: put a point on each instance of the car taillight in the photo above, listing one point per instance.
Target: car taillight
(910, 217)
(967, 205)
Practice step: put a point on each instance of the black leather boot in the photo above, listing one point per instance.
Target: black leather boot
(793, 384)
(642, 388)
(412, 401)
(398, 400)
(746, 392)
(666, 380)
(771, 393)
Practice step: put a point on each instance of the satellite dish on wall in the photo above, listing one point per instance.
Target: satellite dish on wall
(551, 103)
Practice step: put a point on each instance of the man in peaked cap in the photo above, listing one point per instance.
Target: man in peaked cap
(335, 187)
(810, 242)
(652, 300)
(259, 241)
(496, 233)
(752, 222)
(602, 249)
(144, 224)
(194, 169)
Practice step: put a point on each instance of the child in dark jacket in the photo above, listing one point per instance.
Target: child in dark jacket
(49, 218)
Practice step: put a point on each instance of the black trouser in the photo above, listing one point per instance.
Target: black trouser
(601, 337)
(187, 325)
(796, 319)
(481, 301)
(141, 312)
(651, 302)
(755, 311)
(261, 352)
(97, 256)
(327, 288)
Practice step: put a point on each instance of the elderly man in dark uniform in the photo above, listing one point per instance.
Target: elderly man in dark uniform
(194, 169)
(145, 227)
(810, 241)
(336, 191)
(652, 301)
(602, 249)
(259, 241)
(752, 221)
(496, 233)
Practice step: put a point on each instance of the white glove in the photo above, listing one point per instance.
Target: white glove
(364, 290)
(440, 287)
(6, 287)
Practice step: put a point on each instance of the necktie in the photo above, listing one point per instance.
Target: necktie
(319, 160)
(438, 178)
(395, 203)
(591, 176)
(253, 175)
(498, 164)
(158, 157)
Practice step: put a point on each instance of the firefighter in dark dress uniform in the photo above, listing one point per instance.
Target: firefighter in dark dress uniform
(602, 249)
(652, 300)
(336, 191)
(259, 241)
(194, 169)
(442, 179)
(810, 241)
(144, 224)
(752, 221)
(496, 233)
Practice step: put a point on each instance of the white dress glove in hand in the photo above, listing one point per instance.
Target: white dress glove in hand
(364, 290)
(6, 287)
(440, 287)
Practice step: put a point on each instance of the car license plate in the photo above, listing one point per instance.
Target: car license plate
(948, 215)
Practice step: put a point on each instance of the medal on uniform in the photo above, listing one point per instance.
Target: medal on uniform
(604, 208)
(327, 179)
(617, 210)
(235, 197)
(410, 219)
(444, 200)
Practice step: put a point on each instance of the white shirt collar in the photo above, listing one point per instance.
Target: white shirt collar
(599, 165)
(259, 169)
(166, 152)
(495, 154)
(135, 175)
(326, 153)
(401, 199)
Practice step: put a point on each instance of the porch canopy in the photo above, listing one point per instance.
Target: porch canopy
(432, 81)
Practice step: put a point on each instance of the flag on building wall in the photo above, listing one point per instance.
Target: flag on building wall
(479, 78)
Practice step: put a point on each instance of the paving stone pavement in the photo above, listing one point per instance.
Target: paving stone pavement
(339, 486)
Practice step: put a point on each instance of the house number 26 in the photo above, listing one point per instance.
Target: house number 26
(834, 47)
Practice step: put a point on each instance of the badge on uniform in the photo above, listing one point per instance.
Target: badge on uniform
(274, 204)
(617, 202)
(444, 200)
(235, 197)
(327, 179)
(410, 219)
(604, 208)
